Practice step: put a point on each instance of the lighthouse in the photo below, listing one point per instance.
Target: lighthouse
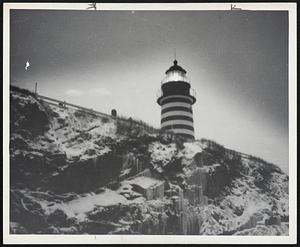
(176, 98)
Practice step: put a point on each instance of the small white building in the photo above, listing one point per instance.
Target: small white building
(150, 188)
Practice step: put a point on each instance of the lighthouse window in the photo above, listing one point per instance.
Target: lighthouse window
(175, 76)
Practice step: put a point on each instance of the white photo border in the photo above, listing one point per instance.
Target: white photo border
(156, 239)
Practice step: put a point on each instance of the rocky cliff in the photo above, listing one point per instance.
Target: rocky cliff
(73, 172)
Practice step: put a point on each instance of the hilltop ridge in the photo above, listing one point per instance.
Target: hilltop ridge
(73, 172)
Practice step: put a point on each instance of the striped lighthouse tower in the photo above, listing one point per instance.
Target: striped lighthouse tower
(176, 98)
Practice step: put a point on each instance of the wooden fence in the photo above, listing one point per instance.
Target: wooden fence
(61, 103)
(64, 103)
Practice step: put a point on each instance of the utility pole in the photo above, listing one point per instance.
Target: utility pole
(35, 89)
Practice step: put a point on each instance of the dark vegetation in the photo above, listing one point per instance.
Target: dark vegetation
(28, 116)
(230, 167)
(22, 91)
(132, 126)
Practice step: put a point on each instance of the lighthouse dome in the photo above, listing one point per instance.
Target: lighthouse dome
(176, 67)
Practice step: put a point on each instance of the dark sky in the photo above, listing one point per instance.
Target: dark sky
(237, 62)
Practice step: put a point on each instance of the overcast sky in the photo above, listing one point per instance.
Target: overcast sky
(237, 62)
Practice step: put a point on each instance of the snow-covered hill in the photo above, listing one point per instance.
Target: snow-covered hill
(73, 173)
